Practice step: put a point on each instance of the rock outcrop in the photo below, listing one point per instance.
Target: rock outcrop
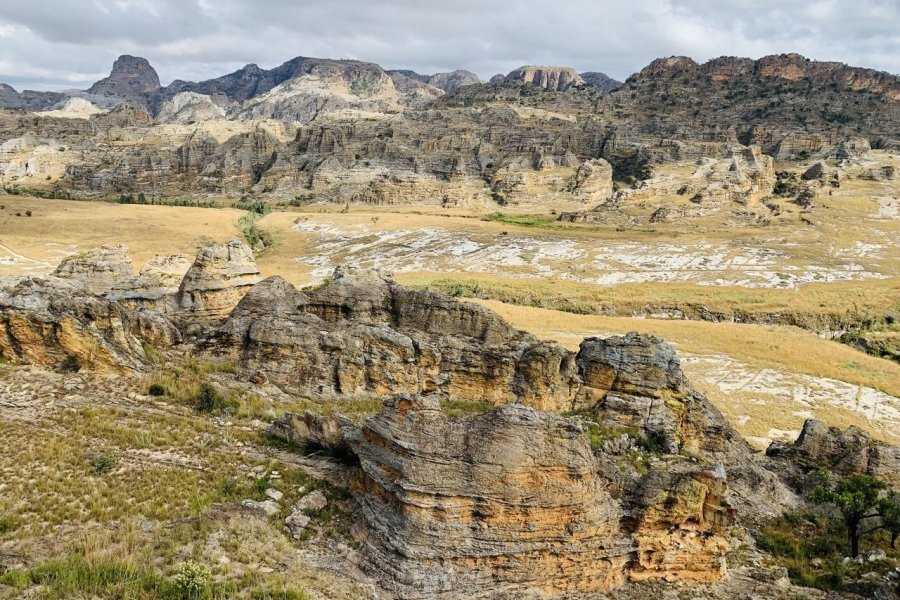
(362, 335)
(218, 280)
(513, 503)
(99, 270)
(55, 323)
(94, 313)
(557, 79)
(452, 81)
(636, 381)
(842, 452)
(506, 502)
(132, 78)
(601, 82)
(681, 515)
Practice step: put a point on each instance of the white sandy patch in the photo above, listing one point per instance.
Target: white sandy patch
(803, 396)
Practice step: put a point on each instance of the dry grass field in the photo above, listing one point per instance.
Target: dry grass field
(839, 263)
(57, 228)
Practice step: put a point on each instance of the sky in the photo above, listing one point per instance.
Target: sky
(60, 44)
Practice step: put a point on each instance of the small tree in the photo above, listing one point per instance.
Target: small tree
(856, 496)
(889, 508)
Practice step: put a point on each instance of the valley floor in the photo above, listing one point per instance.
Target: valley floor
(693, 284)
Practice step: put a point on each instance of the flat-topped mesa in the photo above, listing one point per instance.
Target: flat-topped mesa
(557, 79)
(218, 280)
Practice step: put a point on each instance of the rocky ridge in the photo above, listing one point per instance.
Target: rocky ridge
(350, 132)
(571, 473)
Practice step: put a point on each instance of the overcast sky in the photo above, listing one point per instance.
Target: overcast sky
(53, 44)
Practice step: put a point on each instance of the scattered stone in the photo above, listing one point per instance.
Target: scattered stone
(269, 507)
(296, 524)
(313, 501)
(274, 494)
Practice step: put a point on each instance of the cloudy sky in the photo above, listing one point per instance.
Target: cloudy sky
(53, 44)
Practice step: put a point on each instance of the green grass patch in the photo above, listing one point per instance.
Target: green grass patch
(76, 576)
(538, 221)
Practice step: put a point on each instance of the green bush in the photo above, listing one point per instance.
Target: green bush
(210, 400)
(193, 581)
(102, 463)
(70, 364)
(785, 184)
(156, 389)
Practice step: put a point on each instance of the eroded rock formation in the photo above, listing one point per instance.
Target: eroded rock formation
(94, 313)
(363, 335)
(218, 280)
(503, 502)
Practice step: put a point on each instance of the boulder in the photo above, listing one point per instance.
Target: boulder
(98, 270)
(311, 502)
(312, 430)
(593, 181)
(218, 280)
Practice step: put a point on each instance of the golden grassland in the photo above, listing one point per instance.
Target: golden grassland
(851, 298)
(73, 226)
(763, 346)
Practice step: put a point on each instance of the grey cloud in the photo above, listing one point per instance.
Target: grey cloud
(59, 43)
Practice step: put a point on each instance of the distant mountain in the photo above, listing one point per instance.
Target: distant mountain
(550, 78)
(252, 81)
(788, 104)
(131, 78)
(29, 100)
(448, 82)
(602, 82)
(349, 131)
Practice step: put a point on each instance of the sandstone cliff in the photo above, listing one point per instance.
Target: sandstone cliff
(558, 79)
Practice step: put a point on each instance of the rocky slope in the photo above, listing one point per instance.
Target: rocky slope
(567, 475)
(318, 130)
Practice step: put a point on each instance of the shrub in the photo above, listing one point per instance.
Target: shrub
(857, 498)
(70, 364)
(785, 184)
(193, 580)
(210, 400)
(102, 463)
(156, 389)
(630, 168)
